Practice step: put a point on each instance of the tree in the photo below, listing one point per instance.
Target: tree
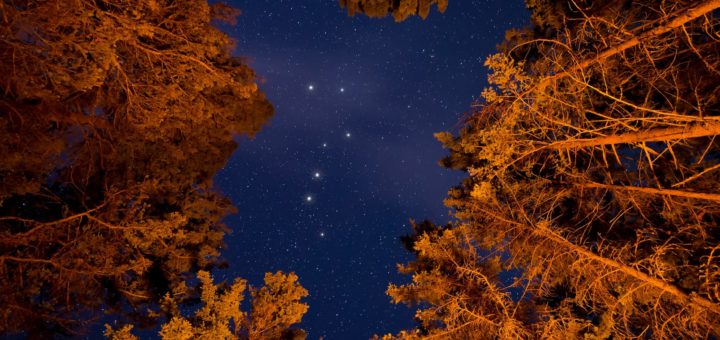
(400, 9)
(274, 309)
(593, 181)
(114, 116)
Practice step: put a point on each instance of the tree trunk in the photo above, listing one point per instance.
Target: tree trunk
(652, 191)
(706, 129)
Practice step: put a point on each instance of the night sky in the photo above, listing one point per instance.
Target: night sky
(328, 187)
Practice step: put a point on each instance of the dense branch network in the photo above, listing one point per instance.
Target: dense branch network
(591, 206)
(114, 116)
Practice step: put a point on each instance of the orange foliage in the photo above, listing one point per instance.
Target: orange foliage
(275, 308)
(114, 116)
(591, 207)
(400, 10)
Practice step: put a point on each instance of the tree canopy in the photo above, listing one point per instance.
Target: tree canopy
(399, 9)
(275, 307)
(114, 115)
(590, 209)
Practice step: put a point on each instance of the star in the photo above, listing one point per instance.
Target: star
(309, 198)
(311, 87)
(324, 145)
(316, 175)
(322, 234)
(342, 89)
(347, 134)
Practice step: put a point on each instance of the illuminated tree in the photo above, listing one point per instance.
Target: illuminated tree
(400, 10)
(592, 203)
(114, 116)
(274, 309)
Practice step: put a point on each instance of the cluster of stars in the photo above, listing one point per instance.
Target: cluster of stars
(343, 86)
(317, 175)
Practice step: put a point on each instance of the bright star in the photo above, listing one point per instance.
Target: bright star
(311, 87)
(347, 134)
(317, 175)
(309, 198)
(322, 234)
(324, 145)
(342, 89)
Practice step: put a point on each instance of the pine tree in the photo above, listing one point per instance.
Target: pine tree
(400, 9)
(593, 181)
(114, 116)
(274, 309)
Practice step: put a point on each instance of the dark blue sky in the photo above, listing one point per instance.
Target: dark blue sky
(379, 92)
